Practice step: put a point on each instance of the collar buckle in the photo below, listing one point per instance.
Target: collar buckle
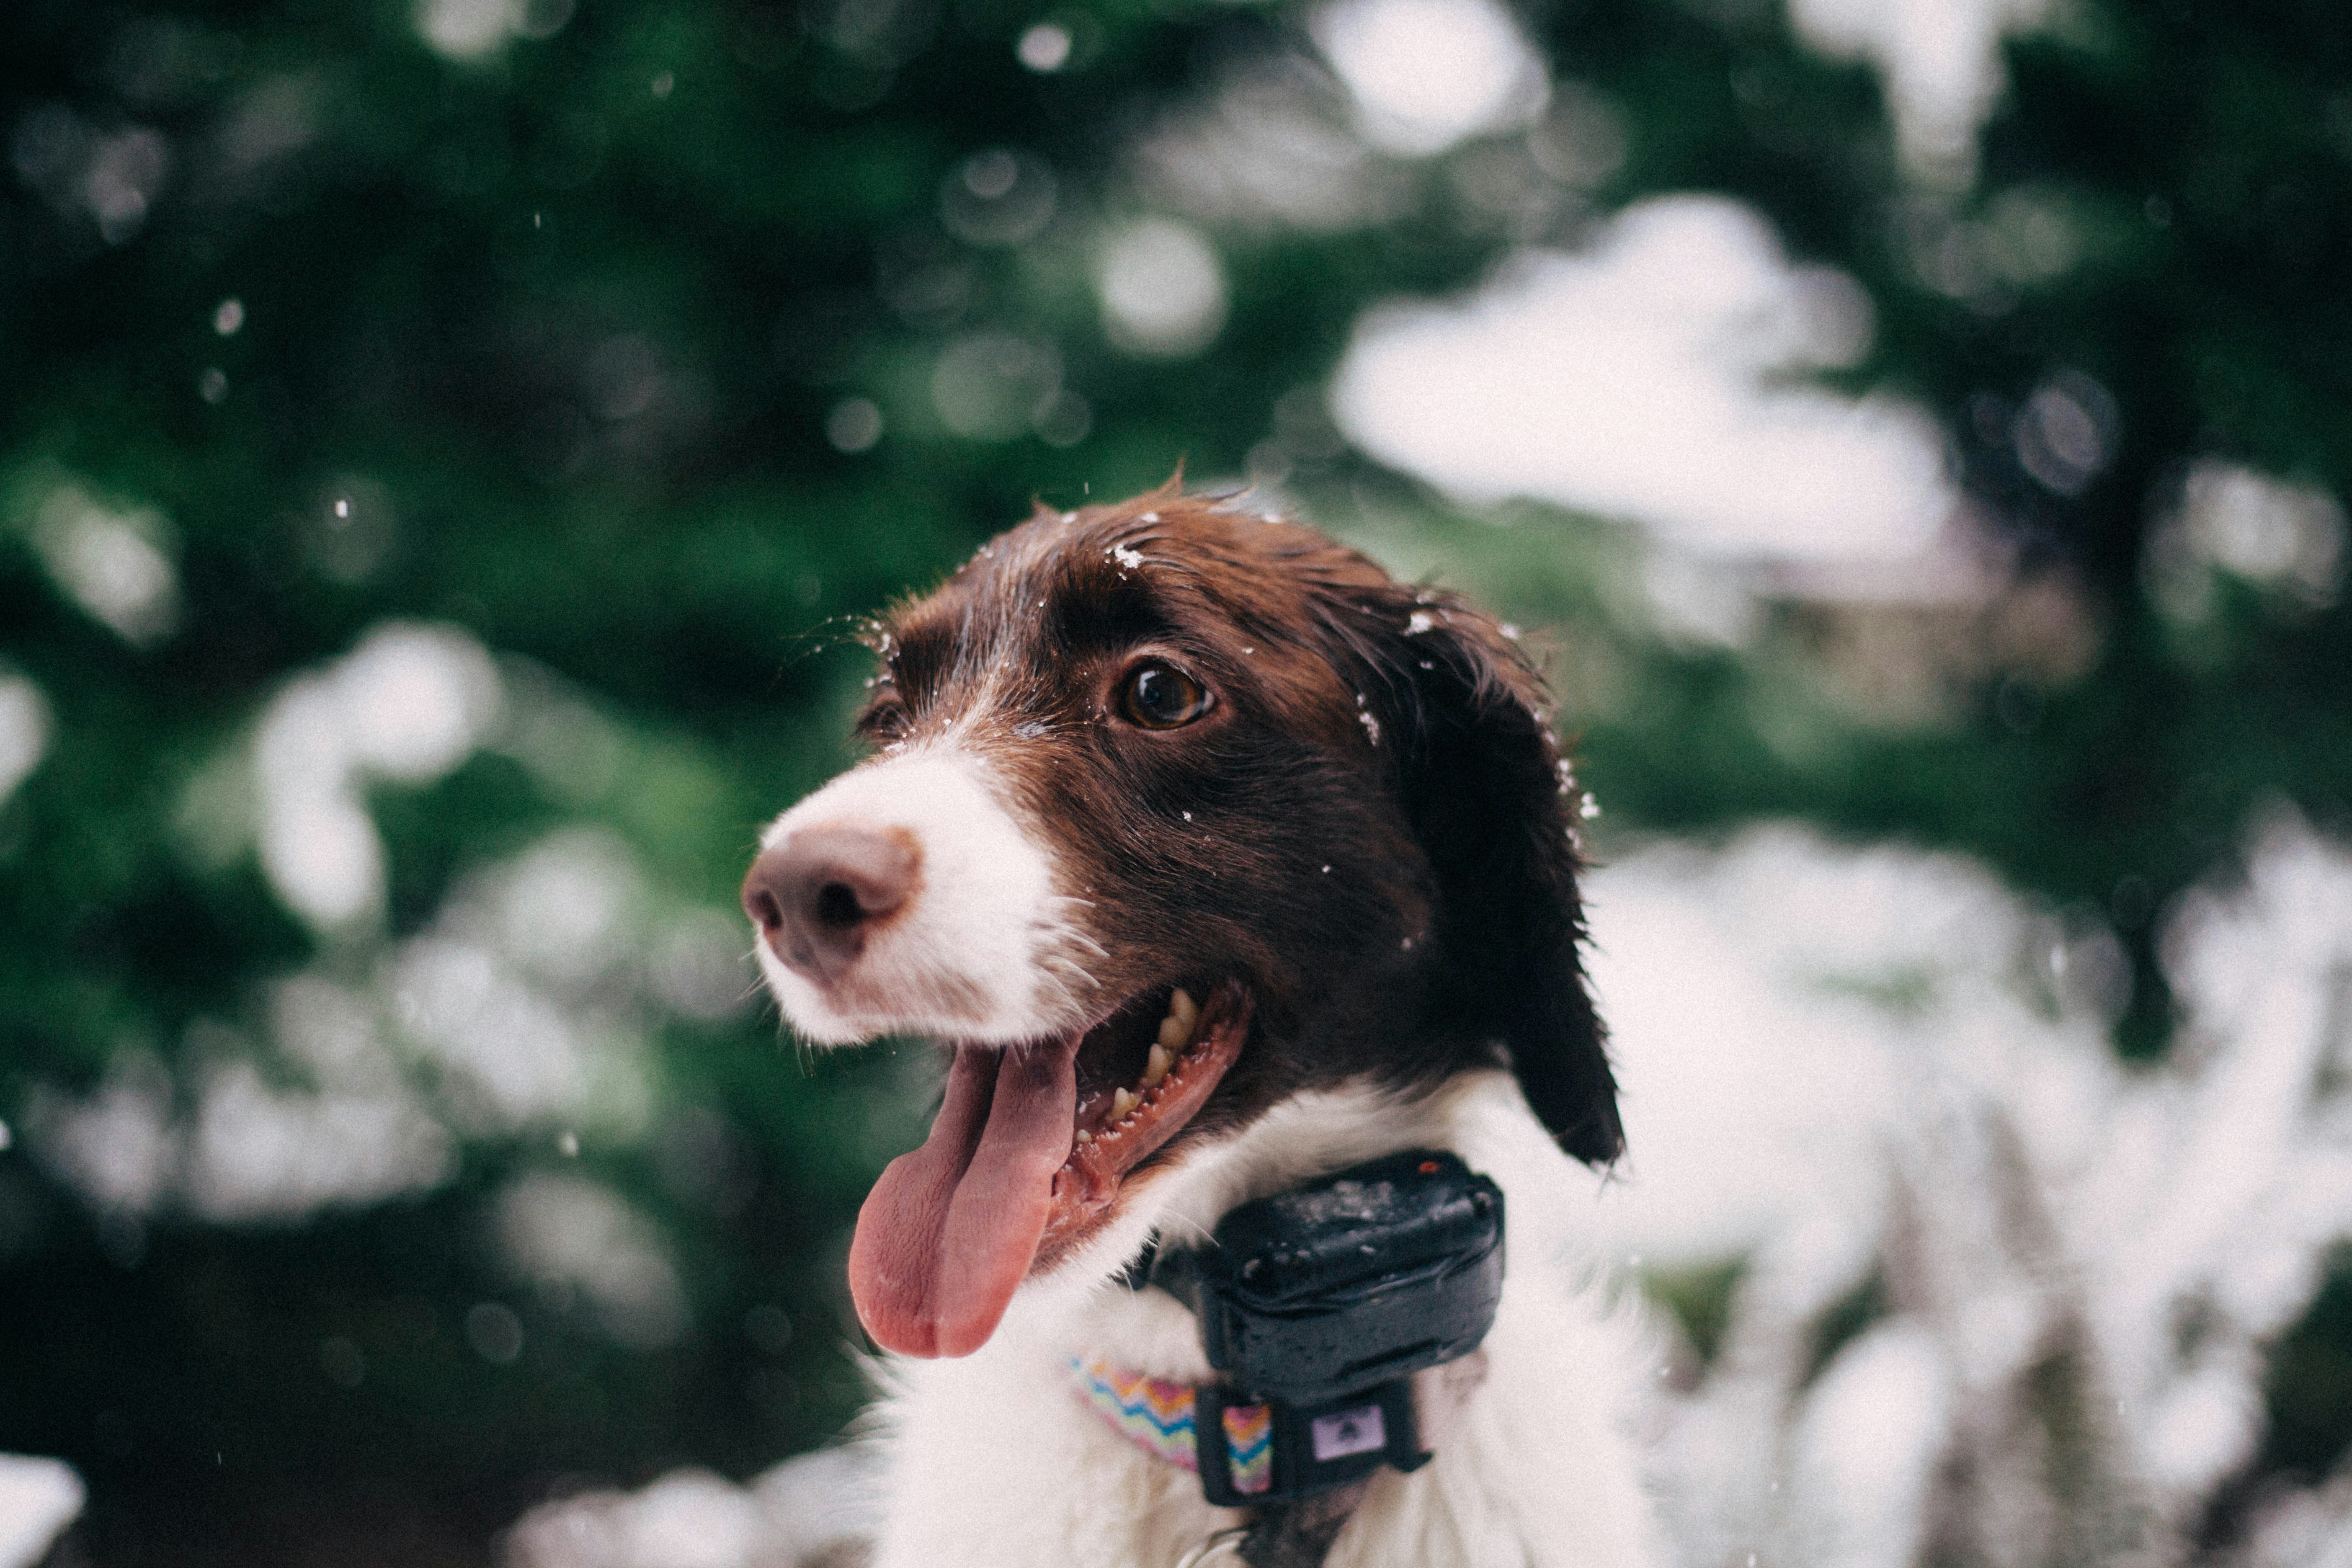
(1254, 1452)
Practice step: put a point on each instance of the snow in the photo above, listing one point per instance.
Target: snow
(25, 730)
(800, 1512)
(258, 1154)
(473, 30)
(1870, 1434)
(1427, 73)
(1941, 63)
(117, 1147)
(113, 563)
(558, 1231)
(2285, 538)
(1885, 1084)
(38, 1499)
(409, 702)
(1648, 376)
(524, 1006)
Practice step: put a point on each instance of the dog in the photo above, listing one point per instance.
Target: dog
(1218, 861)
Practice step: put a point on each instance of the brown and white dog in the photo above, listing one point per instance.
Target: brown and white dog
(1138, 755)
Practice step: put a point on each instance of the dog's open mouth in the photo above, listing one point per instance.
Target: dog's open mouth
(1028, 1153)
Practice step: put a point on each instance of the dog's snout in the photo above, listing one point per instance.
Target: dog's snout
(817, 895)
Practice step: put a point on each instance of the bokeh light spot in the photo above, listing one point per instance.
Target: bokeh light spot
(1044, 48)
(495, 1332)
(1163, 289)
(854, 425)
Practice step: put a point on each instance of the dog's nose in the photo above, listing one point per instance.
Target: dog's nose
(816, 896)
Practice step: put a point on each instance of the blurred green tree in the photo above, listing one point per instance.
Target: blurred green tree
(615, 357)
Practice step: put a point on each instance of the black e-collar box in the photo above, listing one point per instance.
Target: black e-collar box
(1323, 1302)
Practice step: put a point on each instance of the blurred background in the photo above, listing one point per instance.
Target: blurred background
(444, 442)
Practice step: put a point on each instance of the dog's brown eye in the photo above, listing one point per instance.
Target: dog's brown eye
(1161, 697)
(884, 720)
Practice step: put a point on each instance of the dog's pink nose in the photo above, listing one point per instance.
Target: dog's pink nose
(818, 895)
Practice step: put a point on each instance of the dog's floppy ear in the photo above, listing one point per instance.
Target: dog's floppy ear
(1465, 717)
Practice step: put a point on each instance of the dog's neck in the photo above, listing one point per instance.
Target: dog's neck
(1139, 1329)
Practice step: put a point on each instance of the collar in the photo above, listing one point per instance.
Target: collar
(1256, 1451)
(1157, 1416)
(1315, 1307)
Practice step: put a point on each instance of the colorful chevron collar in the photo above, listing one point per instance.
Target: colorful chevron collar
(1157, 1416)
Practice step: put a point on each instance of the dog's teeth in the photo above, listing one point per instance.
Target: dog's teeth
(1121, 1102)
(1182, 1008)
(1173, 1033)
(1161, 1060)
(1085, 1136)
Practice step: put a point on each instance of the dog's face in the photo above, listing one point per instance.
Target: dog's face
(1175, 813)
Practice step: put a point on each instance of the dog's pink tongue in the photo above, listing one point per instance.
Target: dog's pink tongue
(947, 1235)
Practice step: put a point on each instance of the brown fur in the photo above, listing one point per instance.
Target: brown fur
(1370, 827)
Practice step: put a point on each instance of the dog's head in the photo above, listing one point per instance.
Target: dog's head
(1175, 813)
